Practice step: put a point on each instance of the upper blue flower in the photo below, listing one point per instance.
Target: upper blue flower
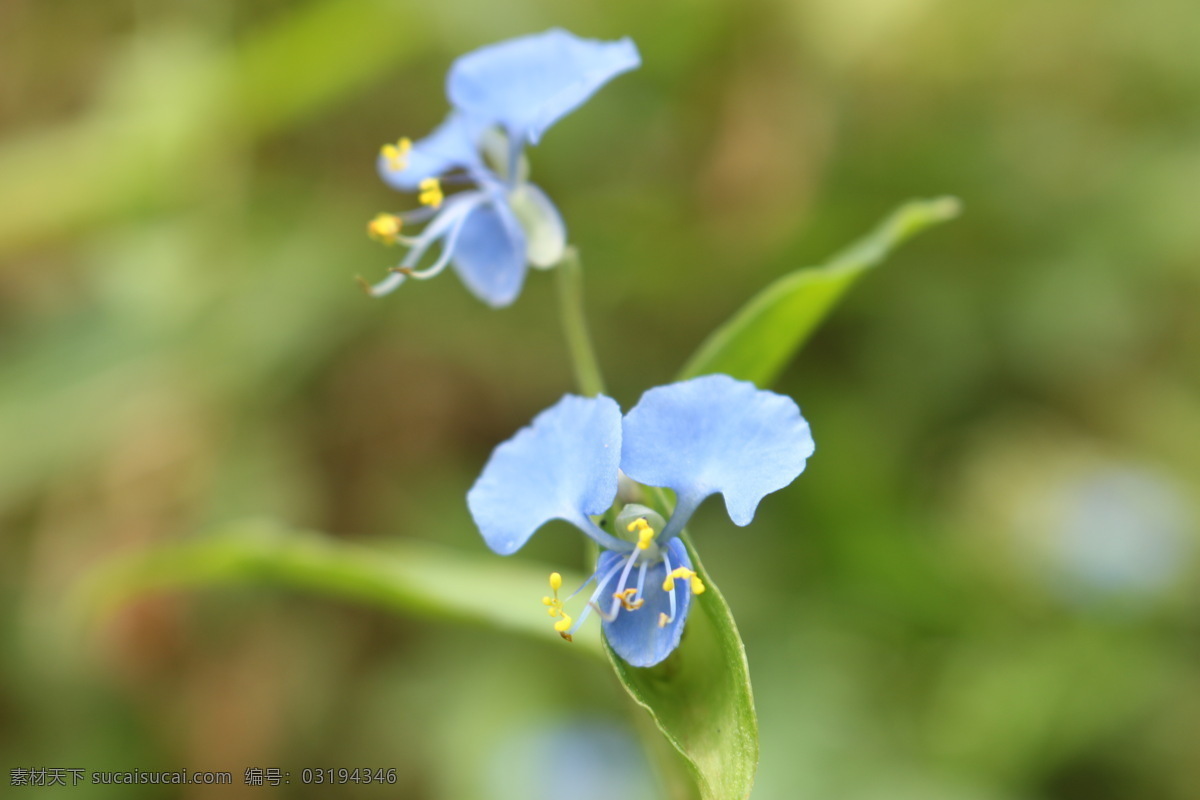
(709, 435)
(504, 97)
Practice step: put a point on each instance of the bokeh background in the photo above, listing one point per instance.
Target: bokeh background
(984, 586)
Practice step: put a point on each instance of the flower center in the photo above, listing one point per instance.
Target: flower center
(618, 589)
(642, 526)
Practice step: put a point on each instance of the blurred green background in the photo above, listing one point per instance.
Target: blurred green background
(983, 588)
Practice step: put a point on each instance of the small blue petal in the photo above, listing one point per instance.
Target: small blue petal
(563, 466)
(527, 84)
(453, 144)
(635, 635)
(489, 254)
(715, 434)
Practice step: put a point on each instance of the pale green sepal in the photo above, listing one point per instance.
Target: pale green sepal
(545, 233)
(757, 342)
(700, 697)
(422, 580)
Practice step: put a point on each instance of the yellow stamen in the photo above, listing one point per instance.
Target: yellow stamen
(385, 228)
(683, 572)
(554, 607)
(644, 532)
(627, 601)
(431, 193)
(663, 619)
(397, 154)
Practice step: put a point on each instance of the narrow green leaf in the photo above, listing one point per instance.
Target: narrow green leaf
(418, 579)
(758, 341)
(700, 697)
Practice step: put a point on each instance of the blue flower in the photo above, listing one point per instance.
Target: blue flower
(504, 97)
(701, 437)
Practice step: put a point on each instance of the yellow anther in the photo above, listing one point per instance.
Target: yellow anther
(683, 572)
(563, 624)
(627, 601)
(385, 228)
(555, 581)
(663, 619)
(397, 154)
(431, 192)
(644, 532)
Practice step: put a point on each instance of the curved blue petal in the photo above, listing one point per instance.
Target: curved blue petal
(489, 254)
(452, 144)
(527, 84)
(563, 466)
(635, 635)
(715, 434)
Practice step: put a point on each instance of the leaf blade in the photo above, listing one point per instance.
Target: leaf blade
(756, 343)
(422, 580)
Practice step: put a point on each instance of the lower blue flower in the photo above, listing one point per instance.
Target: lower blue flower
(710, 435)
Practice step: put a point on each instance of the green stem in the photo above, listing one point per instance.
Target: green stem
(579, 343)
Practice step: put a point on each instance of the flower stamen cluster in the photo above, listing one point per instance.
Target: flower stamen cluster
(555, 607)
(644, 532)
(385, 228)
(431, 193)
(396, 155)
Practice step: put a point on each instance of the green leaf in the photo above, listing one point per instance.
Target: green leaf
(757, 342)
(700, 697)
(414, 579)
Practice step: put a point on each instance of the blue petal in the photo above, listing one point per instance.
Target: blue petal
(527, 84)
(635, 635)
(563, 466)
(715, 434)
(489, 254)
(453, 144)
